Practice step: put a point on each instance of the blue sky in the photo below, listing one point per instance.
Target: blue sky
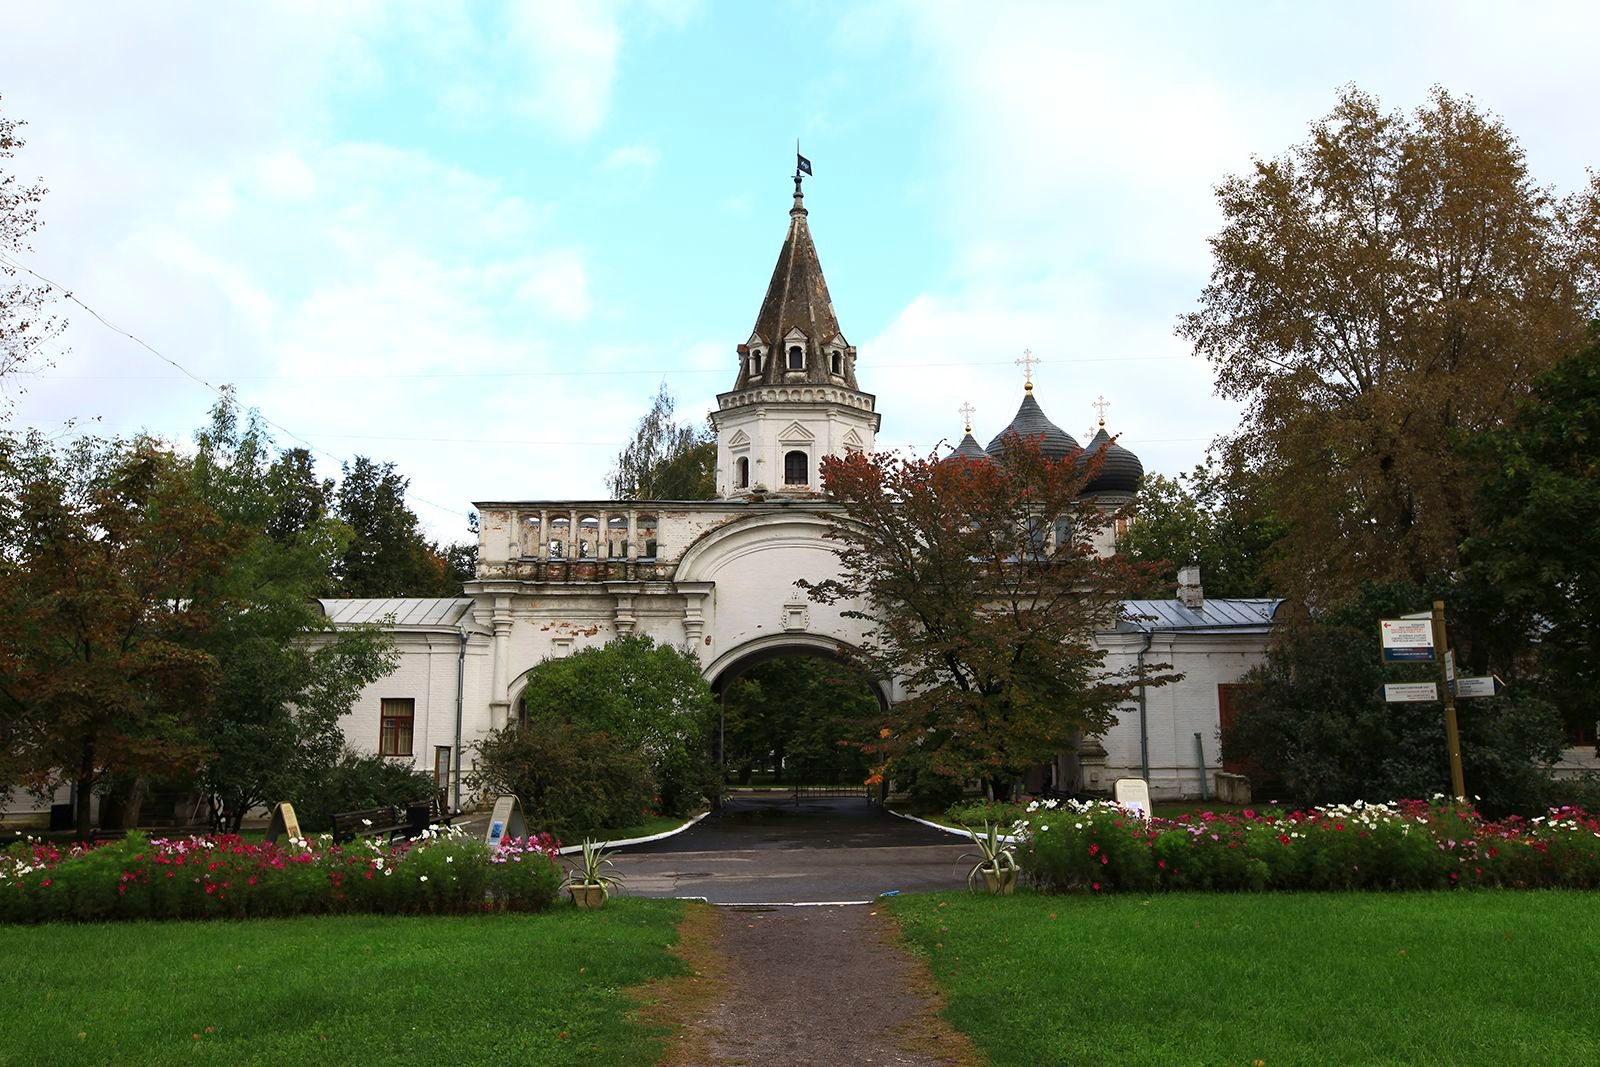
(474, 238)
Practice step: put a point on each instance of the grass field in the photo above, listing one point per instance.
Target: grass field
(545, 989)
(1457, 978)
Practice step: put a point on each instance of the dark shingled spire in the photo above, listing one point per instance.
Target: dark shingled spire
(797, 299)
(1030, 421)
(968, 449)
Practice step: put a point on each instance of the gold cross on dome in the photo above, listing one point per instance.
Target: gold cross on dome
(1027, 363)
(966, 410)
(1100, 404)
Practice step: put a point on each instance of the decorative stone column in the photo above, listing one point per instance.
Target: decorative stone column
(500, 704)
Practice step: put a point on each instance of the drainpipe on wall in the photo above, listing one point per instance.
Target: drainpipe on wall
(1144, 722)
(461, 696)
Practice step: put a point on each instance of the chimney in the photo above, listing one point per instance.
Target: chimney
(1189, 590)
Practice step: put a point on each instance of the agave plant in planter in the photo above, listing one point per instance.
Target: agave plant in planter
(997, 861)
(588, 881)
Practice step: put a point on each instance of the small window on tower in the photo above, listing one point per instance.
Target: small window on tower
(797, 358)
(796, 469)
(838, 363)
(741, 472)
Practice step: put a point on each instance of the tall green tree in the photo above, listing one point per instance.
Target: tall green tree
(388, 555)
(1538, 540)
(666, 460)
(285, 674)
(981, 587)
(25, 324)
(1382, 292)
(810, 717)
(113, 571)
(1203, 518)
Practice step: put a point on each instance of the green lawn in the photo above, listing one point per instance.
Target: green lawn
(655, 824)
(1359, 978)
(545, 989)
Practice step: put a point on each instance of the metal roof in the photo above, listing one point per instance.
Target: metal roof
(1142, 616)
(407, 612)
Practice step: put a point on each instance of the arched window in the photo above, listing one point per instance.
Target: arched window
(741, 472)
(645, 525)
(796, 468)
(588, 536)
(617, 537)
(838, 363)
(755, 361)
(797, 358)
(560, 529)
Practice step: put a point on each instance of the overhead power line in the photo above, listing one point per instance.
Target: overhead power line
(67, 294)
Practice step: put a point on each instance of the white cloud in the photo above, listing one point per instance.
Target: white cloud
(558, 286)
(631, 157)
(570, 55)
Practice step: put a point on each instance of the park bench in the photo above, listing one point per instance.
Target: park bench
(390, 822)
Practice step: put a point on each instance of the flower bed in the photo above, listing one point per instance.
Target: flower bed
(223, 876)
(1100, 847)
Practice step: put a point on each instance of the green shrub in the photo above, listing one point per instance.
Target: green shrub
(1002, 813)
(357, 782)
(572, 782)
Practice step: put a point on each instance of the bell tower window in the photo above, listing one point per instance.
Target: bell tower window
(797, 358)
(796, 468)
(741, 472)
(838, 364)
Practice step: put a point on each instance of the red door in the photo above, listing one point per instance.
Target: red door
(1227, 708)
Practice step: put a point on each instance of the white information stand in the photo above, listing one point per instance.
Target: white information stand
(1410, 692)
(506, 821)
(1133, 793)
(284, 823)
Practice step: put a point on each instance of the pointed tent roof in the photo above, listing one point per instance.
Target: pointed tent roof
(797, 299)
(1030, 421)
(1122, 470)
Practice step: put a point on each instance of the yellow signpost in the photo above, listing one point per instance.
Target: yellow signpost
(1452, 733)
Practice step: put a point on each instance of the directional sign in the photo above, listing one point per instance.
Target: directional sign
(1475, 687)
(1410, 692)
(1407, 640)
(505, 821)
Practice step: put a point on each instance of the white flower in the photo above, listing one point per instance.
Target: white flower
(422, 878)
(1050, 804)
(1078, 825)
(1044, 829)
(449, 859)
(366, 822)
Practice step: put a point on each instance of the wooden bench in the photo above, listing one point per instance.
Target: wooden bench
(407, 821)
(388, 822)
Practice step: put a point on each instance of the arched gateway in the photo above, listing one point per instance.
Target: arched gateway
(718, 576)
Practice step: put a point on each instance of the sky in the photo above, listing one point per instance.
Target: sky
(473, 239)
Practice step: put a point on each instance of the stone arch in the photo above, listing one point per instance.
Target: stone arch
(726, 668)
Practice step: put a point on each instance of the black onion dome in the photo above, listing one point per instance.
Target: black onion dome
(1030, 421)
(1121, 471)
(967, 449)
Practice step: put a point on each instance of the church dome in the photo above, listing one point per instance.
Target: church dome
(968, 449)
(1030, 421)
(1121, 471)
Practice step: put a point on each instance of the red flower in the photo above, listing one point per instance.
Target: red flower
(1096, 886)
(1093, 849)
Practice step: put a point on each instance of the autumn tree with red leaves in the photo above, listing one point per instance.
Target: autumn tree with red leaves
(983, 591)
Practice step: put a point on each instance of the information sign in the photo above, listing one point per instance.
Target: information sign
(1410, 692)
(1133, 793)
(284, 823)
(1407, 640)
(505, 821)
(1475, 687)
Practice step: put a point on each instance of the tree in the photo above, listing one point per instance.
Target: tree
(650, 698)
(1314, 716)
(808, 714)
(285, 674)
(1202, 518)
(1381, 293)
(665, 460)
(388, 556)
(983, 591)
(24, 326)
(112, 571)
(1538, 541)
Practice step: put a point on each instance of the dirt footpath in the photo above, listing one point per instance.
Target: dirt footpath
(813, 985)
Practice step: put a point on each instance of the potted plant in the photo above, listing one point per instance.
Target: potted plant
(588, 882)
(997, 861)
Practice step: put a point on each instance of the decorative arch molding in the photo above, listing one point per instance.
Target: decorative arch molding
(753, 533)
(775, 646)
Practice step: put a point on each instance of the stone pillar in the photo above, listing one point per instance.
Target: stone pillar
(500, 702)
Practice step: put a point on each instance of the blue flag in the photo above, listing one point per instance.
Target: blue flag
(802, 165)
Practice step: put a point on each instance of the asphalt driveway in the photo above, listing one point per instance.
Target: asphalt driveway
(769, 850)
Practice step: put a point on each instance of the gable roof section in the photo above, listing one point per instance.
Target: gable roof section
(410, 613)
(1164, 616)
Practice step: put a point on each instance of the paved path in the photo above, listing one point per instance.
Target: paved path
(817, 986)
(769, 850)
